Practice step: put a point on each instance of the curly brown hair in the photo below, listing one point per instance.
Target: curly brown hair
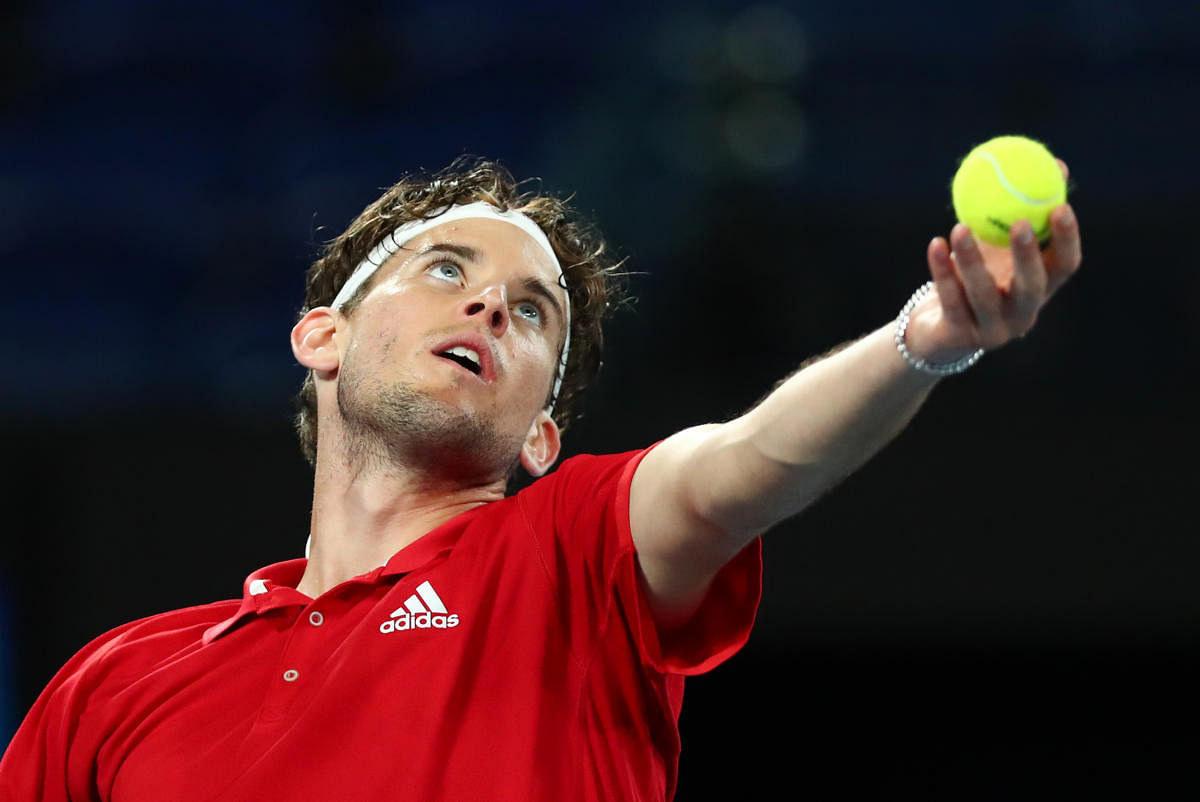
(595, 283)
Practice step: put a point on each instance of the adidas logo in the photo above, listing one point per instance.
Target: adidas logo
(415, 615)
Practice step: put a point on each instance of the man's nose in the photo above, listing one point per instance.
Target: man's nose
(492, 304)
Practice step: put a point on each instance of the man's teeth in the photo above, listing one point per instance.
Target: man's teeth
(459, 350)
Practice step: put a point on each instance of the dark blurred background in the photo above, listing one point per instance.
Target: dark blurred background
(1000, 606)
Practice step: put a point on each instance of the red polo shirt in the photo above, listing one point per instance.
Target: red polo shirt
(509, 654)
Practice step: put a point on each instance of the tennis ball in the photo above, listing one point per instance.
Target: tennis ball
(1004, 180)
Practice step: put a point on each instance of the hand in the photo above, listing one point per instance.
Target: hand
(986, 295)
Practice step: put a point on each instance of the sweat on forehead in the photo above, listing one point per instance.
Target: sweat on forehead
(392, 243)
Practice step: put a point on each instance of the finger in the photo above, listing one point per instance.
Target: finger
(1062, 165)
(982, 293)
(950, 293)
(1066, 249)
(1028, 287)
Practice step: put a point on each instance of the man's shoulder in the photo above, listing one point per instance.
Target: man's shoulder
(584, 490)
(150, 640)
(586, 465)
(183, 618)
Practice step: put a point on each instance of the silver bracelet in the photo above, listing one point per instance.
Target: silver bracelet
(920, 364)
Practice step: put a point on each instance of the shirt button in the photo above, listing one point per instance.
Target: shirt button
(316, 619)
(291, 675)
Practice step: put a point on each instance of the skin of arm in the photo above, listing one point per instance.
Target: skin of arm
(706, 492)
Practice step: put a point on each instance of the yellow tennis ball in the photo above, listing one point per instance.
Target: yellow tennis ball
(1004, 180)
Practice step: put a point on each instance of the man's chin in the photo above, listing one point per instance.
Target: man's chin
(429, 432)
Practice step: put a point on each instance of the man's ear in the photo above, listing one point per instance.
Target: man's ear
(541, 446)
(312, 340)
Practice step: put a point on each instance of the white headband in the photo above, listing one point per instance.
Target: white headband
(394, 241)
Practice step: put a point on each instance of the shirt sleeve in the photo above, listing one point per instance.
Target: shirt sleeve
(579, 517)
(45, 760)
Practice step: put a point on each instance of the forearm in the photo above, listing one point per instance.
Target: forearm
(814, 429)
(704, 493)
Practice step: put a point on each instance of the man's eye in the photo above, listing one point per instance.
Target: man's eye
(530, 311)
(447, 271)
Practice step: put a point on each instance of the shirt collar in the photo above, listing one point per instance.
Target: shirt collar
(429, 546)
(274, 587)
(269, 588)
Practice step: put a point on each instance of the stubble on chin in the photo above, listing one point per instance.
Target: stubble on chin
(396, 427)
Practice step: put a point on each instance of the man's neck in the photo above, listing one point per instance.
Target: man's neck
(362, 515)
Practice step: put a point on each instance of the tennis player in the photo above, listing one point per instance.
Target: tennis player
(444, 640)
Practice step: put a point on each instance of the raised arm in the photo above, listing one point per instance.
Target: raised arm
(706, 492)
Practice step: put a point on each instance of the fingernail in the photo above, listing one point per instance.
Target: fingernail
(1025, 234)
(1067, 218)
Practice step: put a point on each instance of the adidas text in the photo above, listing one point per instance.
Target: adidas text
(407, 620)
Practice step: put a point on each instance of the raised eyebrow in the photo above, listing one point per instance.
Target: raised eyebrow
(540, 288)
(462, 251)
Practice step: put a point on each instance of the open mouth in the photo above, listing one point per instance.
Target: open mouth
(464, 356)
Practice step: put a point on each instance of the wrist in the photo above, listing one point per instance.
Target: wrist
(916, 340)
(925, 338)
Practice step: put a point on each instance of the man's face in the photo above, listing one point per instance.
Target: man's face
(451, 355)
